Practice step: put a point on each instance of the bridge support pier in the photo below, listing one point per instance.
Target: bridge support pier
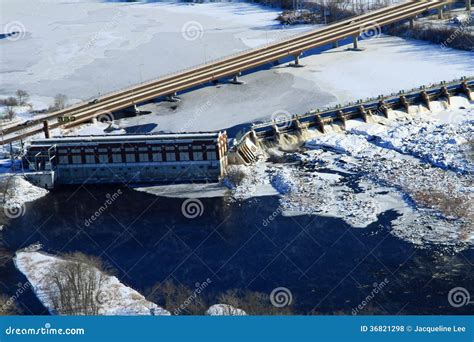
(296, 64)
(355, 43)
(173, 98)
(235, 79)
(468, 5)
(335, 44)
(440, 13)
(412, 23)
(136, 110)
(46, 129)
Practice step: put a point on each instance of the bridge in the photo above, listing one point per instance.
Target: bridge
(229, 67)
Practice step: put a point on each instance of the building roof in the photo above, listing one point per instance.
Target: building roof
(127, 138)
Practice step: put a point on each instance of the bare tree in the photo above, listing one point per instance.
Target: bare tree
(60, 102)
(253, 303)
(74, 285)
(177, 298)
(22, 96)
(10, 103)
(10, 112)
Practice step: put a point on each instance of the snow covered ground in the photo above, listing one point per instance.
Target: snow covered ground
(387, 65)
(83, 48)
(114, 299)
(224, 310)
(15, 192)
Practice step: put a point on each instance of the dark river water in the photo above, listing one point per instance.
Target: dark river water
(328, 266)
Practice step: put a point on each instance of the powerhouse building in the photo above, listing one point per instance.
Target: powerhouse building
(150, 158)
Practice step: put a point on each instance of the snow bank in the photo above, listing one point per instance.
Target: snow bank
(423, 159)
(115, 299)
(254, 181)
(224, 310)
(305, 191)
(19, 191)
(441, 144)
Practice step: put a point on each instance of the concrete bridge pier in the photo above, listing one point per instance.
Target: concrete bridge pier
(235, 79)
(468, 5)
(46, 129)
(440, 13)
(297, 64)
(412, 23)
(355, 42)
(173, 98)
(335, 44)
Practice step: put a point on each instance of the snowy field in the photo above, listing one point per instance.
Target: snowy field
(337, 76)
(83, 48)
